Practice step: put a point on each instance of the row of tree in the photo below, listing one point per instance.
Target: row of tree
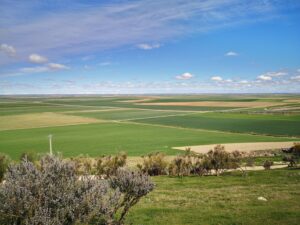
(214, 162)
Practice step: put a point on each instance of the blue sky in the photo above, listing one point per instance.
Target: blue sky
(149, 46)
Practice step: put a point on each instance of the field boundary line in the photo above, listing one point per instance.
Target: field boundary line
(201, 130)
(62, 125)
(153, 117)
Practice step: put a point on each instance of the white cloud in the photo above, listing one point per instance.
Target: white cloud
(37, 69)
(231, 53)
(244, 82)
(216, 78)
(105, 63)
(56, 66)
(296, 78)
(8, 49)
(274, 74)
(228, 80)
(88, 28)
(148, 46)
(40, 69)
(35, 58)
(264, 77)
(185, 76)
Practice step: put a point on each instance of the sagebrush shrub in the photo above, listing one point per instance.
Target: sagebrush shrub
(293, 156)
(53, 194)
(108, 165)
(4, 161)
(267, 164)
(154, 164)
(30, 156)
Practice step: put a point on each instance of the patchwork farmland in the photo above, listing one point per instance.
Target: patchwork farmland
(97, 125)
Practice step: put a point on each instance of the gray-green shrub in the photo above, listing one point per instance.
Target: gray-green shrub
(54, 194)
(108, 165)
(154, 164)
(4, 161)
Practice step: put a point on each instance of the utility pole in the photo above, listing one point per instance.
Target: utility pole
(50, 143)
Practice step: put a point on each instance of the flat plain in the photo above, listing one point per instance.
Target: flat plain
(97, 125)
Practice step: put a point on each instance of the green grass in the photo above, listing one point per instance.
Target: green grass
(118, 103)
(110, 138)
(125, 114)
(239, 123)
(227, 200)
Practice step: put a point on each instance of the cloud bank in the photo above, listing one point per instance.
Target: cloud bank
(83, 27)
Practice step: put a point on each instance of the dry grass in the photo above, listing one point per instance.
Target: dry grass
(296, 100)
(132, 161)
(47, 119)
(138, 100)
(96, 110)
(285, 109)
(217, 104)
(244, 147)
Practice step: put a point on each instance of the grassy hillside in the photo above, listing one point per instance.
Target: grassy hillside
(222, 200)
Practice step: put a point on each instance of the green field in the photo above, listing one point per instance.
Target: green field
(126, 114)
(228, 199)
(123, 125)
(284, 125)
(111, 138)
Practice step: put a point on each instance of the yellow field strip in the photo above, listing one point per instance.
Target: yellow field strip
(37, 120)
(244, 147)
(153, 117)
(216, 104)
(95, 110)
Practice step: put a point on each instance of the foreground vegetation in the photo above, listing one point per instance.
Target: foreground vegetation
(50, 192)
(53, 190)
(227, 199)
